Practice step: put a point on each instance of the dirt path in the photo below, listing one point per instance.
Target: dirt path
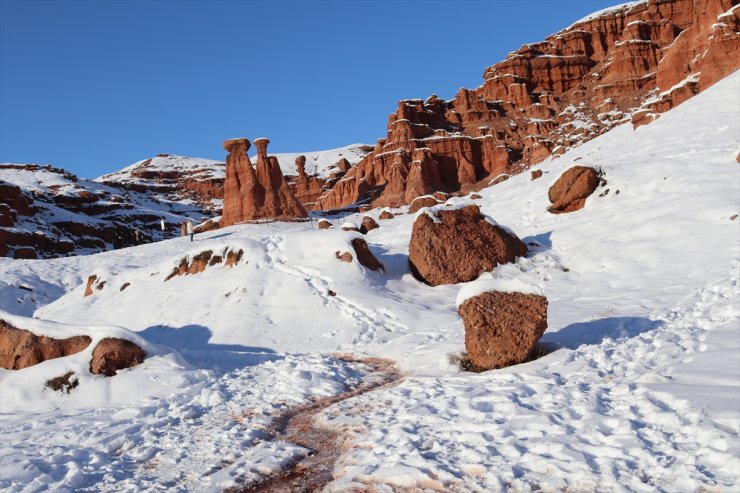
(298, 425)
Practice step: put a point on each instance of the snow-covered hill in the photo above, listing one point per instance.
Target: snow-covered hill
(641, 394)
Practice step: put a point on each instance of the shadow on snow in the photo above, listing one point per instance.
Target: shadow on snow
(192, 342)
(597, 331)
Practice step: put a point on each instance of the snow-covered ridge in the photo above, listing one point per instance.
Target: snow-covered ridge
(624, 7)
(320, 163)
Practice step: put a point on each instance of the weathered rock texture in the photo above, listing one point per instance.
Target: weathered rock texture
(546, 97)
(502, 329)
(256, 193)
(570, 191)
(111, 355)
(307, 189)
(459, 246)
(20, 348)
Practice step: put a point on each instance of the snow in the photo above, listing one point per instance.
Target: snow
(624, 7)
(638, 394)
(487, 283)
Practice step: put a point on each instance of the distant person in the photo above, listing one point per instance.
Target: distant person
(161, 225)
(191, 230)
(183, 229)
(137, 237)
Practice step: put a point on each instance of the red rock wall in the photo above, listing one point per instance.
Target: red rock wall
(545, 98)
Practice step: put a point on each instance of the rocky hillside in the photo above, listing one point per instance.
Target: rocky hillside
(620, 65)
(48, 212)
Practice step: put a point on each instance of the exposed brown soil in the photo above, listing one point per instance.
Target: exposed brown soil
(298, 425)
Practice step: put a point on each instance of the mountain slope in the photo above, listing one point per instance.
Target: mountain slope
(642, 285)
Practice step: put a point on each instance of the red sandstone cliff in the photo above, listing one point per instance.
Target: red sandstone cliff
(252, 193)
(546, 97)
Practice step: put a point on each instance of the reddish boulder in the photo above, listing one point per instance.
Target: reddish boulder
(386, 215)
(368, 224)
(112, 354)
(20, 348)
(256, 193)
(570, 191)
(324, 224)
(537, 173)
(459, 245)
(421, 202)
(502, 329)
(364, 255)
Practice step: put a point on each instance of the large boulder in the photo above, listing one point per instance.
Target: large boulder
(451, 246)
(261, 192)
(112, 354)
(502, 328)
(21, 348)
(570, 191)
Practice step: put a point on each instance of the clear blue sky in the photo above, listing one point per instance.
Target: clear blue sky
(93, 86)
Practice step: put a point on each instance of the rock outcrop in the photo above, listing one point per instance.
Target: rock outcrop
(570, 191)
(452, 246)
(47, 212)
(368, 224)
(112, 354)
(364, 256)
(324, 224)
(201, 261)
(547, 97)
(501, 328)
(21, 348)
(256, 193)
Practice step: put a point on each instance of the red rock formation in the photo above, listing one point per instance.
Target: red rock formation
(386, 215)
(459, 246)
(546, 97)
(537, 173)
(502, 329)
(324, 224)
(570, 191)
(111, 355)
(307, 189)
(20, 348)
(261, 193)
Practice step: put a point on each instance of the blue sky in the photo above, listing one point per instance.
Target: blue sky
(93, 86)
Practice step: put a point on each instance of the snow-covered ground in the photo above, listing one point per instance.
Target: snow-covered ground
(641, 394)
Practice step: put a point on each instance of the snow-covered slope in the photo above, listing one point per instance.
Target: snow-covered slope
(61, 214)
(644, 292)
